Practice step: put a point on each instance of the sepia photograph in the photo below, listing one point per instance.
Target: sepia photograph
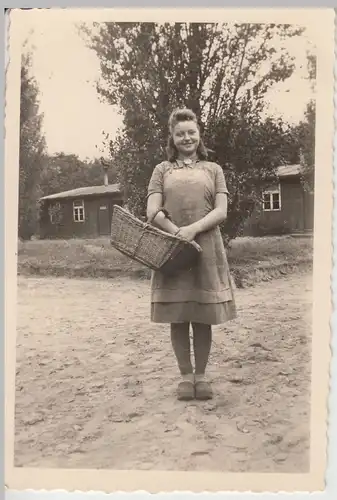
(169, 198)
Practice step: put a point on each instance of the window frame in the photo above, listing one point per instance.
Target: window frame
(78, 205)
(270, 192)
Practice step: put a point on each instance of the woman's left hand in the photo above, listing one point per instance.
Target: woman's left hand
(187, 232)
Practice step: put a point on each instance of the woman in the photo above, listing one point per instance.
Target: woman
(193, 192)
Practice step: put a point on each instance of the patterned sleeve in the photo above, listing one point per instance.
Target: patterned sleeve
(220, 181)
(156, 181)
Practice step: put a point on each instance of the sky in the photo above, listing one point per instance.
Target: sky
(66, 72)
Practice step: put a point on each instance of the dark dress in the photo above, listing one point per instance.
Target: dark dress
(203, 294)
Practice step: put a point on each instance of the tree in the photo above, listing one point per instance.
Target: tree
(253, 155)
(222, 72)
(62, 172)
(306, 133)
(32, 146)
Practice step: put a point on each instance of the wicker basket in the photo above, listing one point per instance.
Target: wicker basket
(150, 246)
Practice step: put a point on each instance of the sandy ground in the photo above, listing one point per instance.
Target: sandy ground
(96, 381)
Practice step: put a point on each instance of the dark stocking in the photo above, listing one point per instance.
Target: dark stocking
(180, 338)
(202, 341)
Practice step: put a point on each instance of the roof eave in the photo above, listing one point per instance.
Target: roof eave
(64, 196)
(286, 176)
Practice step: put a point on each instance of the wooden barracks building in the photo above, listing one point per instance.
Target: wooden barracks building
(86, 212)
(79, 213)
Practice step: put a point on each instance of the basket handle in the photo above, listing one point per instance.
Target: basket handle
(167, 215)
(149, 222)
(161, 209)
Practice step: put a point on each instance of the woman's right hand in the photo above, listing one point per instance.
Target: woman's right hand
(195, 244)
(187, 233)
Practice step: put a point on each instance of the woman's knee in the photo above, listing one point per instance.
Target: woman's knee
(201, 328)
(179, 327)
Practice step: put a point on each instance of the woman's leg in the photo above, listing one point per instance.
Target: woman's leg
(202, 342)
(180, 338)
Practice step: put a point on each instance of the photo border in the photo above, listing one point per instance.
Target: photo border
(324, 231)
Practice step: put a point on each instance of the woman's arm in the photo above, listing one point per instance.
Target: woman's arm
(154, 203)
(211, 220)
(215, 217)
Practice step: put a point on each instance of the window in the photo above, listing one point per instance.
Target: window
(78, 211)
(272, 199)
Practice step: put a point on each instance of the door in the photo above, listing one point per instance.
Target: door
(103, 219)
(292, 205)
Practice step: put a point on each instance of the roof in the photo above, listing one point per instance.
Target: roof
(288, 170)
(85, 191)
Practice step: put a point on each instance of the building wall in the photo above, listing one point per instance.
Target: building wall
(97, 221)
(295, 215)
(309, 204)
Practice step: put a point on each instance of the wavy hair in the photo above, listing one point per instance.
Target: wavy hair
(182, 115)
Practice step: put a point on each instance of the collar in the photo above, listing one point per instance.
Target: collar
(186, 163)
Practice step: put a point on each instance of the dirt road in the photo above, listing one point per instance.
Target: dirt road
(96, 381)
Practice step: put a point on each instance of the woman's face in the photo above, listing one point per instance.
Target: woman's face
(186, 137)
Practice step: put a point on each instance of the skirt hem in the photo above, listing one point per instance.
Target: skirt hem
(193, 312)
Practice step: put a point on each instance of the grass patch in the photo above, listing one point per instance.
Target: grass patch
(251, 259)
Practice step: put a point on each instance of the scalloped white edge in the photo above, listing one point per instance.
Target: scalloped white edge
(11, 494)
